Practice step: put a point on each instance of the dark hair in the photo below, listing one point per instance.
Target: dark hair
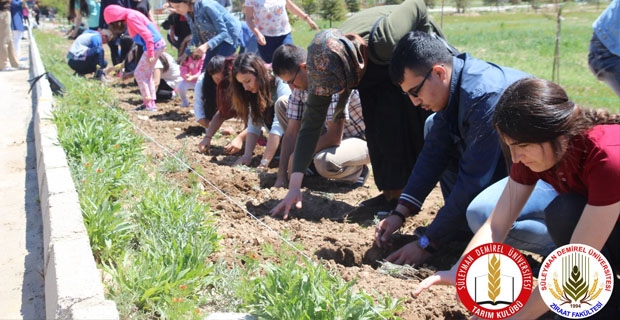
(241, 99)
(287, 58)
(185, 43)
(215, 65)
(117, 27)
(168, 22)
(164, 62)
(535, 111)
(417, 51)
(181, 1)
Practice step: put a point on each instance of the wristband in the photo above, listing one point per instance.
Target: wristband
(398, 214)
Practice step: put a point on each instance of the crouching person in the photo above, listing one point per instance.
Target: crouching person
(86, 54)
(341, 152)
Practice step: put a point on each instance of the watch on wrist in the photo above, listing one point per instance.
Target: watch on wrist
(398, 214)
(425, 243)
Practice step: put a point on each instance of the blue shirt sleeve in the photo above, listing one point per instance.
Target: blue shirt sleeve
(476, 170)
(477, 164)
(219, 23)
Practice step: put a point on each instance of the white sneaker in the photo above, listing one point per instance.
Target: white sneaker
(103, 78)
(9, 69)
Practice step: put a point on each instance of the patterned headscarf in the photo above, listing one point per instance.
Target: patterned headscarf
(335, 62)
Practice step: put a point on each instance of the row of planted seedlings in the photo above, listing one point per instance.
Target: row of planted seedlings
(153, 241)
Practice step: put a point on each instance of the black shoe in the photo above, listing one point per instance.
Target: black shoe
(310, 171)
(140, 108)
(380, 202)
(361, 180)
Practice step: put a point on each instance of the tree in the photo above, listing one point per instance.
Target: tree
(353, 5)
(310, 6)
(430, 3)
(332, 10)
(61, 6)
(461, 5)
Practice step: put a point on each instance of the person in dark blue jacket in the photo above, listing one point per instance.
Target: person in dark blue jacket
(461, 150)
(86, 54)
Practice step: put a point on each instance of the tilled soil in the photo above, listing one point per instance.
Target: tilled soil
(330, 226)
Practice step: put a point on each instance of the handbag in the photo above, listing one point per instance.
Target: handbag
(57, 87)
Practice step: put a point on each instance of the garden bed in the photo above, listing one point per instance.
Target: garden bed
(329, 227)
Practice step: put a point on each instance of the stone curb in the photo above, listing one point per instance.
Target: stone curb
(73, 286)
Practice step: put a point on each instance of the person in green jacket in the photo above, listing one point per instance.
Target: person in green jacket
(357, 56)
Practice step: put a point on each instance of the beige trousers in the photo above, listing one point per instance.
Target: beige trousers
(344, 162)
(7, 52)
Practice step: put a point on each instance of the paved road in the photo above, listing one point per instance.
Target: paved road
(21, 230)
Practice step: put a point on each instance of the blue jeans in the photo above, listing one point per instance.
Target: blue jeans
(223, 49)
(89, 65)
(604, 64)
(562, 216)
(272, 43)
(529, 231)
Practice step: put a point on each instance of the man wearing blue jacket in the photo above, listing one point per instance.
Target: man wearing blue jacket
(86, 54)
(461, 150)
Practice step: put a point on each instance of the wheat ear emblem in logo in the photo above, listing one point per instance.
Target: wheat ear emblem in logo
(575, 281)
(575, 289)
(495, 285)
(494, 281)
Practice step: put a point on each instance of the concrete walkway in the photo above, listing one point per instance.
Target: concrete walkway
(21, 261)
(47, 269)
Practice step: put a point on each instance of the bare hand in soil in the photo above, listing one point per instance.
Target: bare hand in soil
(233, 147)
(204, 145)
(280, 183)
(244, 160)
(293, 197)
(385, 229)
(447, 277)
(410, 254)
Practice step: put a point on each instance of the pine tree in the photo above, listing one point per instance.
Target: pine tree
(332, 10)
(353, 5)
(310, 6)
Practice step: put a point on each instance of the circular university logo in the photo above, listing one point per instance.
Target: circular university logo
(494, 281)
(575, 281)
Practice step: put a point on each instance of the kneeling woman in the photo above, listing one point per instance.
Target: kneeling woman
(254, 92)
(575, 150)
